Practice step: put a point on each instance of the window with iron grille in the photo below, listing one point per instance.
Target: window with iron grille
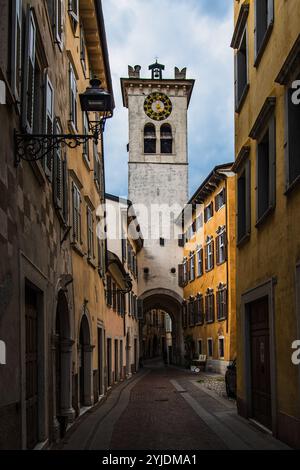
(76, 208)
(222, 304)
(210, 307)
(90, 232)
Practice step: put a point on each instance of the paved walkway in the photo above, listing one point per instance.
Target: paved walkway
(166, 408)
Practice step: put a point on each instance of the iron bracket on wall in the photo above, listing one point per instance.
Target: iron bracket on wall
(34, 147)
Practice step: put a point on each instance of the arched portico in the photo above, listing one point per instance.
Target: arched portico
(62, 361)
(170, 302)
(85, 361)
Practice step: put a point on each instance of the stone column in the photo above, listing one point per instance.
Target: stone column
(66, 380)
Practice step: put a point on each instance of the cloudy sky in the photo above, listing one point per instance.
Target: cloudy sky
(186, 33)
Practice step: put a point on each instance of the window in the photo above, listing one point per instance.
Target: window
(210, 306)
(210, 347)
(90, 232)
(220, 200)
(241, 71)
(264, 19)
(49, 123)
(222, 303)
(73, 99)
(266, 161)
(200, 309)
(101, 257)
(108, 290)
(292, 138)
(76, 213)
(244, 203)
(166, 139)
(208, 212)
(58, 26)
(83, 50)
(182, 274)
(114, 296)
(29, 81)
(221, 347)
(85, 147)
(200, 350)
(74, 11)
(199, 222)
(209, 254)
(16, 49)
(221, 246)
(192, 267)
(162, 241)
(200, 262)
(97, 167)
(149, 139)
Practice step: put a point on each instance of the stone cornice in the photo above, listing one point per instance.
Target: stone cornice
(240, 25)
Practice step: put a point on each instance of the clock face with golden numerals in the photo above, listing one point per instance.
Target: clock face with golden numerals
(158, 106)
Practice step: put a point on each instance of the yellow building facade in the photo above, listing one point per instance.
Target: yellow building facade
(266, 41)
(207, 273)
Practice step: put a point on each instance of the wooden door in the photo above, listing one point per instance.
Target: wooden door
(260, 362)
(31, 361)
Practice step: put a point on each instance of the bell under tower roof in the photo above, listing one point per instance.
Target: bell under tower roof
(156, 70)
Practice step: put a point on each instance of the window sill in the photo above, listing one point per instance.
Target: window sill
(86, 161)
(222, 319)
(263, 44)
(209, 322)
(200, 275)
(245, 238)
(240, 103)
(264, 217)
(292, 186)
(220, 208)
(77, 249)
(209, 270)
(208, 219)
(91, 263)
(219, 263)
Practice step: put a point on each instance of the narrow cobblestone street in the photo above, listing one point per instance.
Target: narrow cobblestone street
(166, 408)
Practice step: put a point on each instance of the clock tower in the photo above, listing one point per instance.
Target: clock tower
(158, 168)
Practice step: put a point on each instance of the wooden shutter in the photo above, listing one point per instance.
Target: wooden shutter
(65, 205)
(74, 212)
(270, 12)
(255, 29)
(48, 123)
(217, 202)
(28, 73)
(218, 239)
(213, 253)
(236, 90)
(248, 196)
(206, 257)
(16, 48)
(180, 275)
(58, 173)
(58, 21)
(272, 161)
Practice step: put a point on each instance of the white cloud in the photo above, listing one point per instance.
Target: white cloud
(180, 33)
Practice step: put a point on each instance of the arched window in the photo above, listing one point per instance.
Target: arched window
(149, 139)
(166, 139)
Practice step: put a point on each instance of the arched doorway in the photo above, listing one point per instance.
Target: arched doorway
(85, 363)
(171, 303)
(63, 364)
